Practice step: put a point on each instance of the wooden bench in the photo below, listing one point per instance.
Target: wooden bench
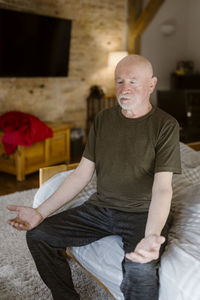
(27, 160)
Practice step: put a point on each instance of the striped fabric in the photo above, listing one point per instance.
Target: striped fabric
(190, 161)
(180, 264)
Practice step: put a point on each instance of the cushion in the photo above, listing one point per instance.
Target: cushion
(51, 185)
(103, 259)
(180, 263)
(190, 162)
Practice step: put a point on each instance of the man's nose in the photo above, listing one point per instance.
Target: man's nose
(125, 88)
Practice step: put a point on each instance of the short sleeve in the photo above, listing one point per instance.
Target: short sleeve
(168, 149)
(89, 151)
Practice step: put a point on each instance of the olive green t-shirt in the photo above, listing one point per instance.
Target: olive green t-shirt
(127, 153)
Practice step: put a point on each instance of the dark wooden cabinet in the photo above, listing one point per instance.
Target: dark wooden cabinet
(185, 82)
(184, 105)
(183, 102)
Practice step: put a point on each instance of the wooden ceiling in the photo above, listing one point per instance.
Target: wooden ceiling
(138, 21)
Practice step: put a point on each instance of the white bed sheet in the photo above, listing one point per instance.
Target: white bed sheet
(179, 275)
(180, 264)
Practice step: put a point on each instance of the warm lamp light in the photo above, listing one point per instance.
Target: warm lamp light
(115, 57)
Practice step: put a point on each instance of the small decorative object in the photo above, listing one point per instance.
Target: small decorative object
(184, 67)
(96, 92)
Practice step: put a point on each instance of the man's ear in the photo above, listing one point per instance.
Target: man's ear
(153, 84)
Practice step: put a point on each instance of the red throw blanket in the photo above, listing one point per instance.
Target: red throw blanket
(22, 129)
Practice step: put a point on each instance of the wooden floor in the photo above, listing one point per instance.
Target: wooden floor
(9, 184)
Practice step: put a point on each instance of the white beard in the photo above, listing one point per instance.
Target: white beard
(127, 106)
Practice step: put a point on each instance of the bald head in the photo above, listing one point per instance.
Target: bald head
(134, 83)
(132, 61)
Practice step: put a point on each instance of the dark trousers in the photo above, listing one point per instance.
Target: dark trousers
(80, 226)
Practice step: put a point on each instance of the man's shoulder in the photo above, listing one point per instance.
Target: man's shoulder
(164, 117)
(108, 111)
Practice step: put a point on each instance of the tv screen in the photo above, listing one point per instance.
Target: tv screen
(33, 45)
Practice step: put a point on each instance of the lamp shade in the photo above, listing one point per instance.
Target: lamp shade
(115, 57)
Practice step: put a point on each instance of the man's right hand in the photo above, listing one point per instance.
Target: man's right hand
(26, 219)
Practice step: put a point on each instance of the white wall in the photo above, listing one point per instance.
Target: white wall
(193, 47)
(164, 51)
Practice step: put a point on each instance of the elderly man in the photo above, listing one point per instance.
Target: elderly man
(134, 148)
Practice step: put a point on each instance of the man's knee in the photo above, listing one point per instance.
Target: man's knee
(137, 271)
(34, 236)
(140, 281)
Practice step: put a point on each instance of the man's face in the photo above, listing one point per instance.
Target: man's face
(134, 84)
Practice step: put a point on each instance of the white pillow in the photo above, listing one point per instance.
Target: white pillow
(180, 264)
(189, 156)
(186, 224)
(190, 162)
(51, 185)
(103, 259)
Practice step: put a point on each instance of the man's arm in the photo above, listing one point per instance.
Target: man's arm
(29, 218)
(148, 248)
(160, 203)
(71, 186)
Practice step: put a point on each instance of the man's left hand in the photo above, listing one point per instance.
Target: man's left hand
(147, 249)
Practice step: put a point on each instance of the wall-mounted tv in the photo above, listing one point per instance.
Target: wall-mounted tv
(33, 45)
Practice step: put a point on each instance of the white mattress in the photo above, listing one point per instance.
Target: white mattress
(180, 264)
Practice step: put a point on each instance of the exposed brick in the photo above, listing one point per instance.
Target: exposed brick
(97, 28)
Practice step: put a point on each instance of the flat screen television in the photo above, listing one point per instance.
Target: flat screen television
(33, 45)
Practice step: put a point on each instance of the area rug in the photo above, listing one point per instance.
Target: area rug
(19, 279)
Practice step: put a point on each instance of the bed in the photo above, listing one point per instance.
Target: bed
(180, 264)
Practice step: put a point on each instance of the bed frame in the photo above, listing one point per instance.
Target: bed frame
(195, 145)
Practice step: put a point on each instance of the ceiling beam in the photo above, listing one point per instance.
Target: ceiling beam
(139, 20)
(147, 16)
(134, 11)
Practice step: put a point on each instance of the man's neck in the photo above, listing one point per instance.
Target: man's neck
(133, 114)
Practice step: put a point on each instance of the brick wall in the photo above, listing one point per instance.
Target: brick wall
(98, 27)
